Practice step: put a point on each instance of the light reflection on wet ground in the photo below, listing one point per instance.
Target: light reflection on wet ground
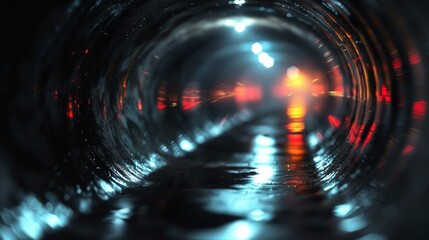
(265, 190)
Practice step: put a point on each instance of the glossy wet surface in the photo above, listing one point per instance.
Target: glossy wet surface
(256, 186)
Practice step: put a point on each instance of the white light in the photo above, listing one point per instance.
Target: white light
(264, 150)
(262, 140)
(52, 220)
(259, 215)
(239, 2)
(257, 48)
(293, 72)
(241, 230)
(264, 158)
(240, 27)
(264, 174)
(266, 60)
(186, 145)
(343, 210)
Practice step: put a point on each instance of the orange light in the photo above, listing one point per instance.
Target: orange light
(139, 105)
(247, 93)
(295, 127)
(296, 111)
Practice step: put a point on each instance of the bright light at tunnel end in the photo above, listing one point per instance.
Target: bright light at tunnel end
(264, 58)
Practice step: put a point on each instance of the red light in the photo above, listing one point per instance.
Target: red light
(397, 63)
(161, 105)
(419, 110)
(335, 123)
(161, 102)
(408, 149)
(370, 135)
(385, 94)
(191, 98)
(70, 113)
(415, 58)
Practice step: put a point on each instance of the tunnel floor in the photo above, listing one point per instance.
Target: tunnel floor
(255, 182)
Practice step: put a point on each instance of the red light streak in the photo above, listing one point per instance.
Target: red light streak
(191, 99)
(385, 94)
(419, 110)
(161, 102)
(370, 135)
(335, 123)
(70, 113)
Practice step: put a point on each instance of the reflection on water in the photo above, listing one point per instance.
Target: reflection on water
(269, 191)
(259, 120)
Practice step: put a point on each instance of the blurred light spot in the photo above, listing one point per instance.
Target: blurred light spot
(353, 224)
(264, 174)
(84, 205)
(240, 27)
(238, 24)
(262, 140)
(293, 73)
(244, 93)
(372, 236)
(419, 110)
(397, 63)
(313, 140)
(296, 111)
(266, 60)
(108, 188)
(139, 105)
(263, 151)
(239, 2)
(186, 145)
(257, 48)
(264, 158)
(414, 57)
(6, 233)
(335, 123)
(408, 149)
(343, 209)
(259, 215)
(241, 230)
(191, 98)
(31, 218)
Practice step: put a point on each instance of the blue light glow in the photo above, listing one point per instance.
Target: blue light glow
(32, 218)
(266, 60)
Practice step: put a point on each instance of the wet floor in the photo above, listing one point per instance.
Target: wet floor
(256, 182)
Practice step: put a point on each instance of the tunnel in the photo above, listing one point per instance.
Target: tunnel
(226, 119)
